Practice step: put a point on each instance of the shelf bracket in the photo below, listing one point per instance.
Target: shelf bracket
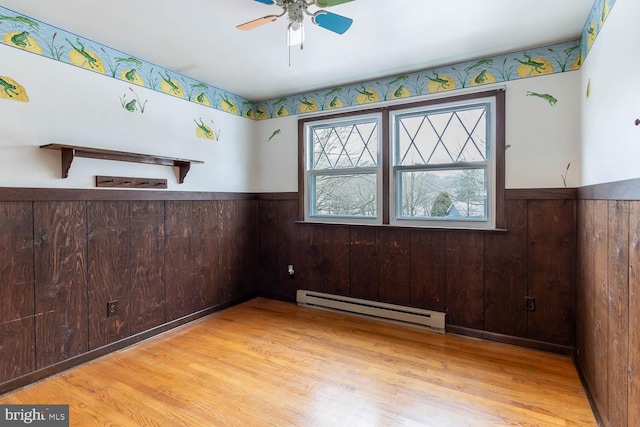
(67, 157)
(184, 169)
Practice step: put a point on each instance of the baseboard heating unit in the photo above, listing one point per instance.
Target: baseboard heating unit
(425, 319)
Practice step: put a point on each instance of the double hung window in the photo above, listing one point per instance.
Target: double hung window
(343, 169)
(438, 163)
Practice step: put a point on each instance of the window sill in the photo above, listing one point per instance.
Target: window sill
(406, 227)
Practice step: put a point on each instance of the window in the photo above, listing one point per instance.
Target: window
(343, 170)
(442, 165)
(438, 163)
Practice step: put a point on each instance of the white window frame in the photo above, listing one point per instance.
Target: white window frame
(310, 174)
(489, 167)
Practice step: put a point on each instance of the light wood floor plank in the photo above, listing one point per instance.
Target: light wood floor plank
(268, 363)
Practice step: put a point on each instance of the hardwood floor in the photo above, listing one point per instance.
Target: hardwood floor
(269, 363)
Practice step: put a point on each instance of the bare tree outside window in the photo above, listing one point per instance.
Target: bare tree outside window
(353, 195)
(343, 169)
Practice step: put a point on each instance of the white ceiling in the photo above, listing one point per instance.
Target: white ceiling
(198, 38)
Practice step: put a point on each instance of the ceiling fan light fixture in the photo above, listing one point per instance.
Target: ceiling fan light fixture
(295, 34)
(295, 11)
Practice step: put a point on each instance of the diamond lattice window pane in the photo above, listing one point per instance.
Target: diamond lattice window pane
(345, 146)
(468, 134)
(442, 137)
(408, 152)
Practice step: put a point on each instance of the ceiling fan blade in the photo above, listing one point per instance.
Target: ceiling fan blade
(329, 3)
(257, 22)
(332, 22)
(266, 1)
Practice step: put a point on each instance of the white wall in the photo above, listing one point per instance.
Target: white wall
(69, 105)
(72, 106)
(544, 138)
(277, 168)
(610, 145)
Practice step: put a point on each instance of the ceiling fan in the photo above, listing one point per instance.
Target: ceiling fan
(295, 11)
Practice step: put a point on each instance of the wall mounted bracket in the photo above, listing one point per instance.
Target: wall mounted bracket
(124, 182)
(69, 152)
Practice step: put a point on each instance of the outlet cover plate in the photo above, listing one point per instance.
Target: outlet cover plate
(112, 308)
(529, 304)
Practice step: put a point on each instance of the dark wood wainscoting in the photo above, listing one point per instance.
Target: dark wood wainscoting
(170, 257)
(480, 279)
(165, 257)
(608, 299)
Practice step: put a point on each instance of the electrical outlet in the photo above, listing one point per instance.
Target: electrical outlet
(529, 304)
(112, 308)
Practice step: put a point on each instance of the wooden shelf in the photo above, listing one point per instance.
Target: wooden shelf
(69, 152)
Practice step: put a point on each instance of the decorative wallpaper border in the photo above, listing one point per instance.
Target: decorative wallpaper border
(552, 59)
(37, 37)
(535, 62)
(24, 33)
(598, 15)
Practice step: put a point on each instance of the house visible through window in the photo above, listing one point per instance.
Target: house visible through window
(438, 163)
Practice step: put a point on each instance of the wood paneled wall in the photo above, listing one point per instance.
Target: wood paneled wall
(168, 256)
(62, 261)
(60, 273)
(479, 278)
(608, 302)
(17, 323)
